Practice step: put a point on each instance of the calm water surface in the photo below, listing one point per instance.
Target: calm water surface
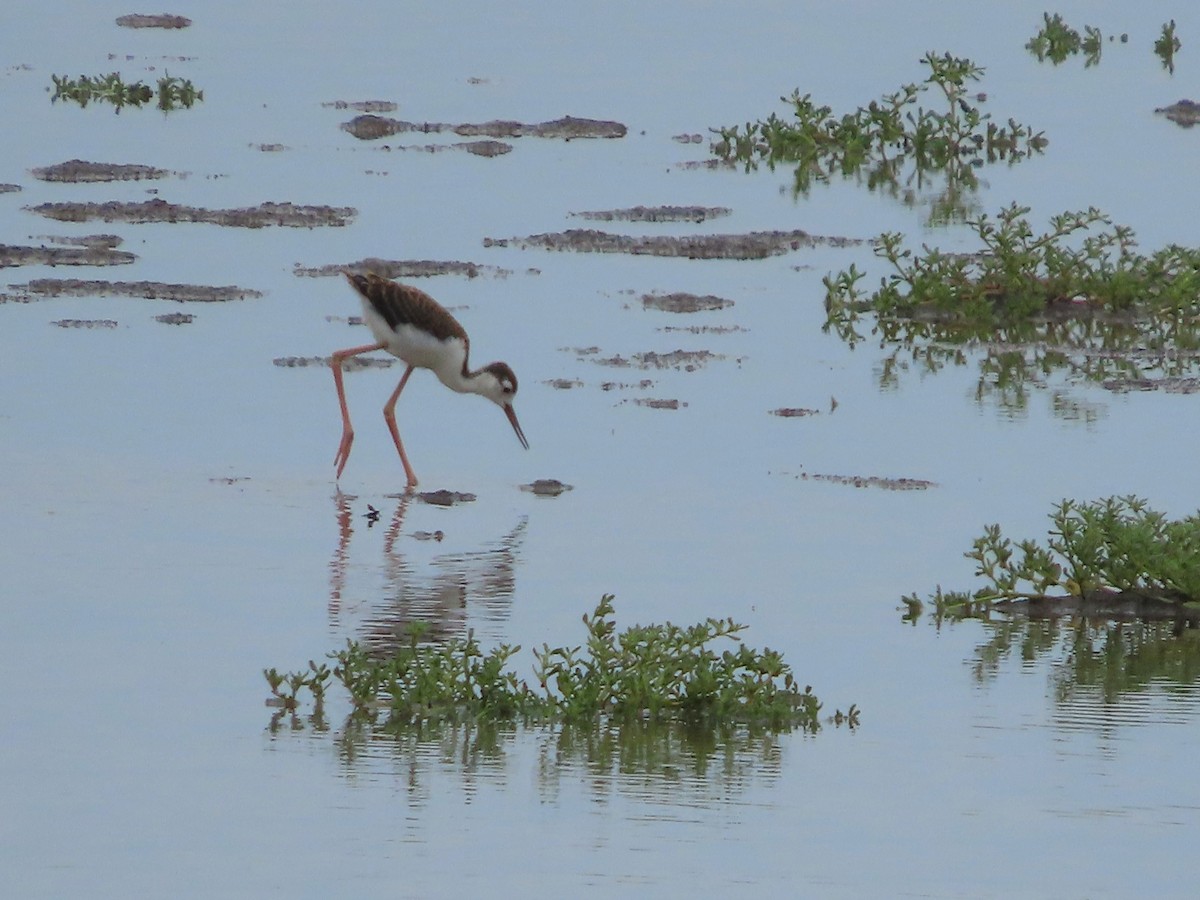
(171, 525)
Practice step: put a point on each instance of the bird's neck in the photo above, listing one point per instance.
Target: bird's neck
(465, 382)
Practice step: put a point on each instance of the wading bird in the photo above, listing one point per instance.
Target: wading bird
(411, 325)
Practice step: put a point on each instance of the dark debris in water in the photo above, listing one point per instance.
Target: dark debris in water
(162, 20)
(791, 412)
(695, 214)
(13, 255)
(1184, 113)
(78, 171)
(287, 215)
(403, 268)
(371, 127)
(175, 318)
(149, 290)
(682, 302)
(753, 245)
(547, 487)
(9, 188)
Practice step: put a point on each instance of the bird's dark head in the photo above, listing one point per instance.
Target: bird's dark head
(498, 382)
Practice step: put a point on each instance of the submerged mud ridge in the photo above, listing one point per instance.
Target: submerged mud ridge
(287, 215)
(85, 323)
(1105, 603)
(371, 127)
(863, 481)
(354, 362)
(13, 255)
(695, 214)
(78, 171)
(149, 290)
(681, 360)
(794, 412)
(366, 106)
(163, 20)
(487, 148)
(402, 268)
(753, 245)
(1169, 384)
(651, 403)
(682, 302)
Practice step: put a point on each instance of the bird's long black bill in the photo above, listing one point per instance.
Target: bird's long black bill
(512, 417)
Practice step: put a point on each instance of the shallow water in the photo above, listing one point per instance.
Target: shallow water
(171, 525)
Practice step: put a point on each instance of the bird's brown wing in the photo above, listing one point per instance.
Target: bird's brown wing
(403, 304)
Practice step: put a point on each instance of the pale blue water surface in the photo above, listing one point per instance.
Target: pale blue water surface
(169, 524)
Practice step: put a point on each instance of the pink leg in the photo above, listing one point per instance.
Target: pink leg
(335, 363)
(389, 415)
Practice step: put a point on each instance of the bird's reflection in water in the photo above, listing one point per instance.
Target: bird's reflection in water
(439, 592)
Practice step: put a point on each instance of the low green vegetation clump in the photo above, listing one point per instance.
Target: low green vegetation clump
(172, 92)
(887, 136)
(1167, 46)
(656, 672)
(1115, 554)
(1083, 266)
(1056, 40)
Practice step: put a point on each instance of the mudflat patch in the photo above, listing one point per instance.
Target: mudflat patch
(162, 20)
(369, 127)
(402, 268)
(16, 255)
(288, 215)
(78, 171)
(695, 214)
(149, 290)
(682, 302)
(752, 245)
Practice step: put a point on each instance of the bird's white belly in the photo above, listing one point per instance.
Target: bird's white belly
(418, 348)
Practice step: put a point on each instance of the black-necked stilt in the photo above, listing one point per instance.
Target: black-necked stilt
(412, 326)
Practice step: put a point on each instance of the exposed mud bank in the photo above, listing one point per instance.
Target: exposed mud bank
(403, 268)
(14, 255)
(682, 302)
(288, 215)
(695, 214)
(79, 171)
(753, 245)
(162, 20)
(44, 288)
(371, 127)
(350, 365)
(1123, 606)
